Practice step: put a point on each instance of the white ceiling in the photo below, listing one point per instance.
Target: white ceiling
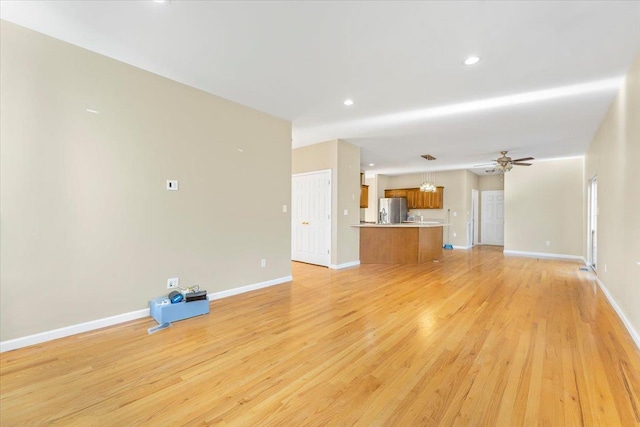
(401, 62)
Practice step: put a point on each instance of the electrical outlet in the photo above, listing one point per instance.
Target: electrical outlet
(548, 242)
(455, 234)
(173, 283)
(263, 263)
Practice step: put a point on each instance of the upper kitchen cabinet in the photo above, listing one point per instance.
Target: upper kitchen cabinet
(364, 192)
(364, 196)
(396, 193)
(433, 200)
(414, 198)
(417, 199)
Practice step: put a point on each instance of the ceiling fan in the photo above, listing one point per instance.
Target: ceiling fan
(505, 164)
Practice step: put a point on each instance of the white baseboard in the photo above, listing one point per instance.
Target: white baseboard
(634, 334)
(248, 288)
(120, 318)
(345, 265)
(461, 247)
(71, 330)
(544, 255)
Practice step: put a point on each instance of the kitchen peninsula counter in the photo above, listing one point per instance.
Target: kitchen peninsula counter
(406, 243)
(404, 224)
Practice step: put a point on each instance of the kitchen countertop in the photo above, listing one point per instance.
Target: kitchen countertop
(404, 224)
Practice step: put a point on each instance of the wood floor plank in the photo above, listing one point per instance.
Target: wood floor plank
(477, 339)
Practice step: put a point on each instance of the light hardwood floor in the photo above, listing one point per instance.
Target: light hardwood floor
(478, 339)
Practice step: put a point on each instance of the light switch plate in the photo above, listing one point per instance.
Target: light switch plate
(172, 185)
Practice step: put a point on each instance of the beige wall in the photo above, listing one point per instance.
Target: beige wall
(491, 182)
(382, 183)
(88, 228)
(348, 238)
(545, 202)
(344, 161)
(614, 156)
(473, 181)
(315, 157)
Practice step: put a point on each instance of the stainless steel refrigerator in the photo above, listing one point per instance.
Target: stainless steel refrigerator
(392, 210)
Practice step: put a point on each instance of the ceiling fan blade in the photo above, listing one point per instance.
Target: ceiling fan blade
(522, 164)
(484, 165)
(523, 159)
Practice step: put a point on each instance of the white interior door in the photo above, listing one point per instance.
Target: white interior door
(493, 217)
(311, 217)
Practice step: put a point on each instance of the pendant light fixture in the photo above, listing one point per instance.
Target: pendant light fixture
(428, 177)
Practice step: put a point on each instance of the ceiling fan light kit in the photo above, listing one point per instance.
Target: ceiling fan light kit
(504, 167)
(505, 164)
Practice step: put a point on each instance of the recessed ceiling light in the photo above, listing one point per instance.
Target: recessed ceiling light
(348, 102)
(471, 60)
(92, 111)
(371, 164)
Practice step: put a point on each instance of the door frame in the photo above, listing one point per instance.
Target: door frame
(592, 223)
(475, 194)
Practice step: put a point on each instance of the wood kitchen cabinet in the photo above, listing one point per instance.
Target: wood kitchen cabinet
(396, 193)
(400, 244)
(364, 192)
(431, 200)
(364, 196)
(435, 200)
(416, 199)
